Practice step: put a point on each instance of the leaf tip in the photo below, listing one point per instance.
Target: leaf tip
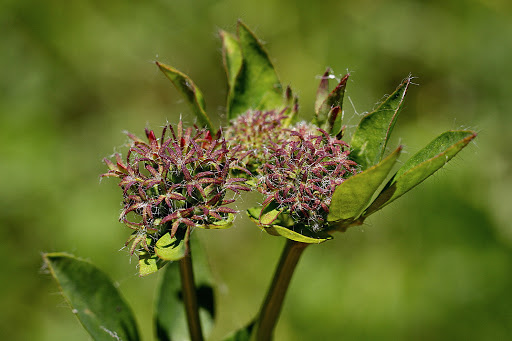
(166, 68)
(223, 34)
(160, 65)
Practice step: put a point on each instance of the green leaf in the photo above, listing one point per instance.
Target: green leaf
(329, 112)
(256, 85)
(269, 217)
(171, 249)
(372, 134)
(267, 229)
(423, 164)
(231, 56)
(149, 263)
(299, 233)
(280, 224)
(170, 318)
(354, 194)
(93, 297)
(191, 92)
(221, 224)
(269, 213)
(254, 212)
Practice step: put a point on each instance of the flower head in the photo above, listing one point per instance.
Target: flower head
(250, 132)
(302, 171)
(174, 183)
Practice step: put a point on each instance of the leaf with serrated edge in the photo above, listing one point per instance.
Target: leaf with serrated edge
(354, 194)
(231, 56)
(423, 164)
(93, 297)
(191, 92)
(372, 134)
(256, 85)
(170, 318)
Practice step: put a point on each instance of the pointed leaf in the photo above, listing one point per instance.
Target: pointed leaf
(334, 99)
(354, 194)
(93, 297)
(294, 232)
(323, 90)
(170, 318)
(256, 85)
(299, 233)
(269, 217)
(282, 225)
(373, 132)
(423, 164)
(333, 123)
(231, 56)
(191, 92)
(267, 229)
(269, 213)
(254, 212)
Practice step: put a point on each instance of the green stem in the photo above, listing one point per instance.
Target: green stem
(190, 298)
(271, 307)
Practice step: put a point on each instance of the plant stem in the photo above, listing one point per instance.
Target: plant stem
(271, 307)
(190, 298)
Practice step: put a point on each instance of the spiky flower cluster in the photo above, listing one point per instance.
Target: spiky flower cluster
(174, 183)
(250, 132)
(302, 171)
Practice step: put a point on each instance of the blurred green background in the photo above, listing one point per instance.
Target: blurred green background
(435, 265)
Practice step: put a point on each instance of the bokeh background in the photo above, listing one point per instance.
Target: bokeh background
(435, 265)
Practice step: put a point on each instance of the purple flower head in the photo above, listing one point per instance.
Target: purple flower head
(174, 183)
(302, 171)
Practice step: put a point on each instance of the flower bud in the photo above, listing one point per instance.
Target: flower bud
(301, 172)
(174, 183)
